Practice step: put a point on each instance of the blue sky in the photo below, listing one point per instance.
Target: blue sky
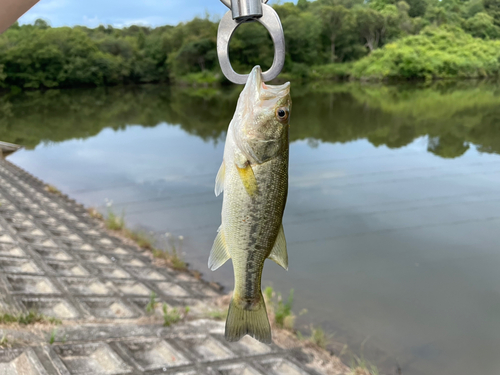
(121, 13)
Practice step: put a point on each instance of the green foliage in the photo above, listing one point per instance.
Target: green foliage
(115, 222)
(318, 337)
(482, 26)
(317, 33)
(151, 306)
(171, 316)
(492, 7)
(282, 311)
(52, 338)
(31, 317)
(445, 52)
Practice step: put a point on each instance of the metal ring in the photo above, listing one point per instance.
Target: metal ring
(271, 21)
(228, 2)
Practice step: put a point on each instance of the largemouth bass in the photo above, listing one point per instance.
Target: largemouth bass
(254, 178)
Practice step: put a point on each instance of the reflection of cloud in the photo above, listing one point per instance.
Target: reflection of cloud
(315, 179)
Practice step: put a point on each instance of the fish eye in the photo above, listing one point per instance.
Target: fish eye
(282, 113)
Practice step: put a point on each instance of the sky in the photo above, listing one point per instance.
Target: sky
(121, 13)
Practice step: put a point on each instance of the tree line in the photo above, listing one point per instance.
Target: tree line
(453, 116)
(373, 39)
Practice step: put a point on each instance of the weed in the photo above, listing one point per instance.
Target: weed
(94, 214)
(360, 366)
(172, 256)
(283, 313)
(115, 222)
(170, 318)
(173, 316)
(150, 307)
(4, 341)
(52, 189)
(217, 314)
(283, 316)
(53, 336)
(176, 260)
(28, 318)
(318, 337)
(142, 239)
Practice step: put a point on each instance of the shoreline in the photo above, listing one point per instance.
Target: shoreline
(317, 358)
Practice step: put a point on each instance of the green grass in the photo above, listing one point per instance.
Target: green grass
(142, 239)
(172, 257)
(150, 307)
(115, 222)
(28, 318)
(52, 338)
(173, 316)
(282, 310)
(53, 190)
(4, 341)
(94, 214)
(217, 314)
(360, 366)
(318, 337)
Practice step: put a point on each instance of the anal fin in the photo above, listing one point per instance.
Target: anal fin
(279, 253)
(219, 254)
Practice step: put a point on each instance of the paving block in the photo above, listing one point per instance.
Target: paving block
(207, 348)
(20, 362)
(19, 266)
(10, 250)
(249, 346)
(148, 274)
(282, 367)
(54, 307)
(68, 269)
(153, 354)
(111, 271)
(132, 288)
(78, 286)
(89, 359)
(238, 369)
(6, 238)
(171, 289)
(202, 289)
(31, 285)
(95, 258)
(109, 308)
(52, 254)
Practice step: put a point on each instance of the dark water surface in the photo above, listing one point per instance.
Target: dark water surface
(393, 217)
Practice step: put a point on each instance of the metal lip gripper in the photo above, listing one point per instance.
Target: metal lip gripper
(247, 11)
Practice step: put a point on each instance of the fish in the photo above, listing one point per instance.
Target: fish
(254, 179)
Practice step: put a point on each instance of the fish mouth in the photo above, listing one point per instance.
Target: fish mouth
(256, 85)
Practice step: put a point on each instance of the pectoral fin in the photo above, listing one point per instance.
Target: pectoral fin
(219, 180)
(248, 178)
(219, 254)
(279, 253)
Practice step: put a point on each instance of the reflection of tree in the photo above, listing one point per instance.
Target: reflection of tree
(447, 146)
(452, 117)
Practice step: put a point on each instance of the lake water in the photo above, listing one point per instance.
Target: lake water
(393, 215)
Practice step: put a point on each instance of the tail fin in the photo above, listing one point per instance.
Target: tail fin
(241, 322)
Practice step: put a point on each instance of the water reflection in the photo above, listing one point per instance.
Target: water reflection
(386, 240)
(452, 116)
